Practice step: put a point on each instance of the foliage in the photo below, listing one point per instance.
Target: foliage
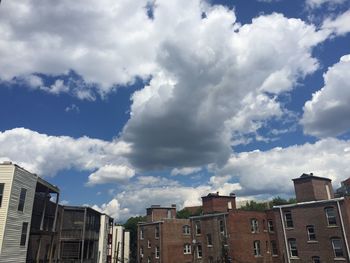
(131, 225)
(185, 213)
(262, 206)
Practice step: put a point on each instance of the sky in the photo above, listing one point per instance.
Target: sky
(124, 104)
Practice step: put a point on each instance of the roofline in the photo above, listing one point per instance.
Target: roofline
(48, 185)
(310, 203)
(311, 177)
(208, 215)
(149, 223)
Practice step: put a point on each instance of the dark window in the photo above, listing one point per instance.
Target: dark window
(274, 248)
(24, 233)
(149, 259)
(331, 216)
(156, 232)
(141, 233)
(270, 226)
(337, 247)
(1, 192)
(157, 252)
(222, 226)
(199, 251)
(293, 247)
(209, 240)
(311, 233)
(316, 259)
(198, 227)
(254, 225)
(289, 219)
(148, 244)
(256, 246)
(22, 199)
(186, 230)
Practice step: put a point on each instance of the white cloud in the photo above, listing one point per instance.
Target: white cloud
(73, 108)
(270, 172)
(339, 25)
(46, 155)
(328, 112)
(212, 85)
(319, 3)
(111, 174)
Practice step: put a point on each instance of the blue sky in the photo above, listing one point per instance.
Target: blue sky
(124, 104)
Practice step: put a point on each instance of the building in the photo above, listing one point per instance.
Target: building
(120, 245)
(316, 228)
(105, 239)
(28, 216)
(344, 189)
(221, 233)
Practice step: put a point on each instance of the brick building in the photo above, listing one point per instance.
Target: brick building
(221, 234)
(316, 228)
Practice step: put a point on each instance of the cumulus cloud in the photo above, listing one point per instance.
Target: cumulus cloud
(215, 83)
(328, 112)
(185, 170)
(46, 155)
(270, 172)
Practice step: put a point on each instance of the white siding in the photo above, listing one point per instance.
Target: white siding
(126, 246)
(118, 232)
(11, 251)
(103, 238)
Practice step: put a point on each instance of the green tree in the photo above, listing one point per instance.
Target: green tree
(185, 213)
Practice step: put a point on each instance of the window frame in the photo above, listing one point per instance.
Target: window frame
(209, 240)
(222, 226)
(311, 233)
(316, 259)
(22, 199)
(254, 225)
(187, 249)
(142, 252)
(149, 245)
(2, 189)
(293, 250)
(270, 226)
(329, 217)
(339, 248)
(186, 230)
(142, 233)
(157, 252)
(288, 218)
(156, 232)
(256, 248)
(24, 234)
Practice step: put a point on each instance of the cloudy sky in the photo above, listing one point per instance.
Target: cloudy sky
(128, 103)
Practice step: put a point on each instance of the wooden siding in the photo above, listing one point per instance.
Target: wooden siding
(11, 251)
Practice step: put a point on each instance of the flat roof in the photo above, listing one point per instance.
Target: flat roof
(309, 177)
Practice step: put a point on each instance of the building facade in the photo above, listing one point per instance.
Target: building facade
(317, 228)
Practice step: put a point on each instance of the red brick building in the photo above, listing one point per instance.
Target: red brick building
(316, 228)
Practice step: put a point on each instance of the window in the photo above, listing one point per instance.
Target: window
(337, 247)
(187, 249)
(211, 260)
(169, 213)
(293, 247)
(270, 225)
(331, 217)
(254, 225)
(209, 240)
(311, 233)
(148, 244)
(199, 251)
(256, 246)
(156, 232)
(186, 230)
(157, 252)
(141, 252)
(141, 233)
(24, 233)
(222, 226)
(289, 219)
(198, 227)
(316, 259)
(274, 248)
(22, 199)
(149, 259)
(1, 192)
